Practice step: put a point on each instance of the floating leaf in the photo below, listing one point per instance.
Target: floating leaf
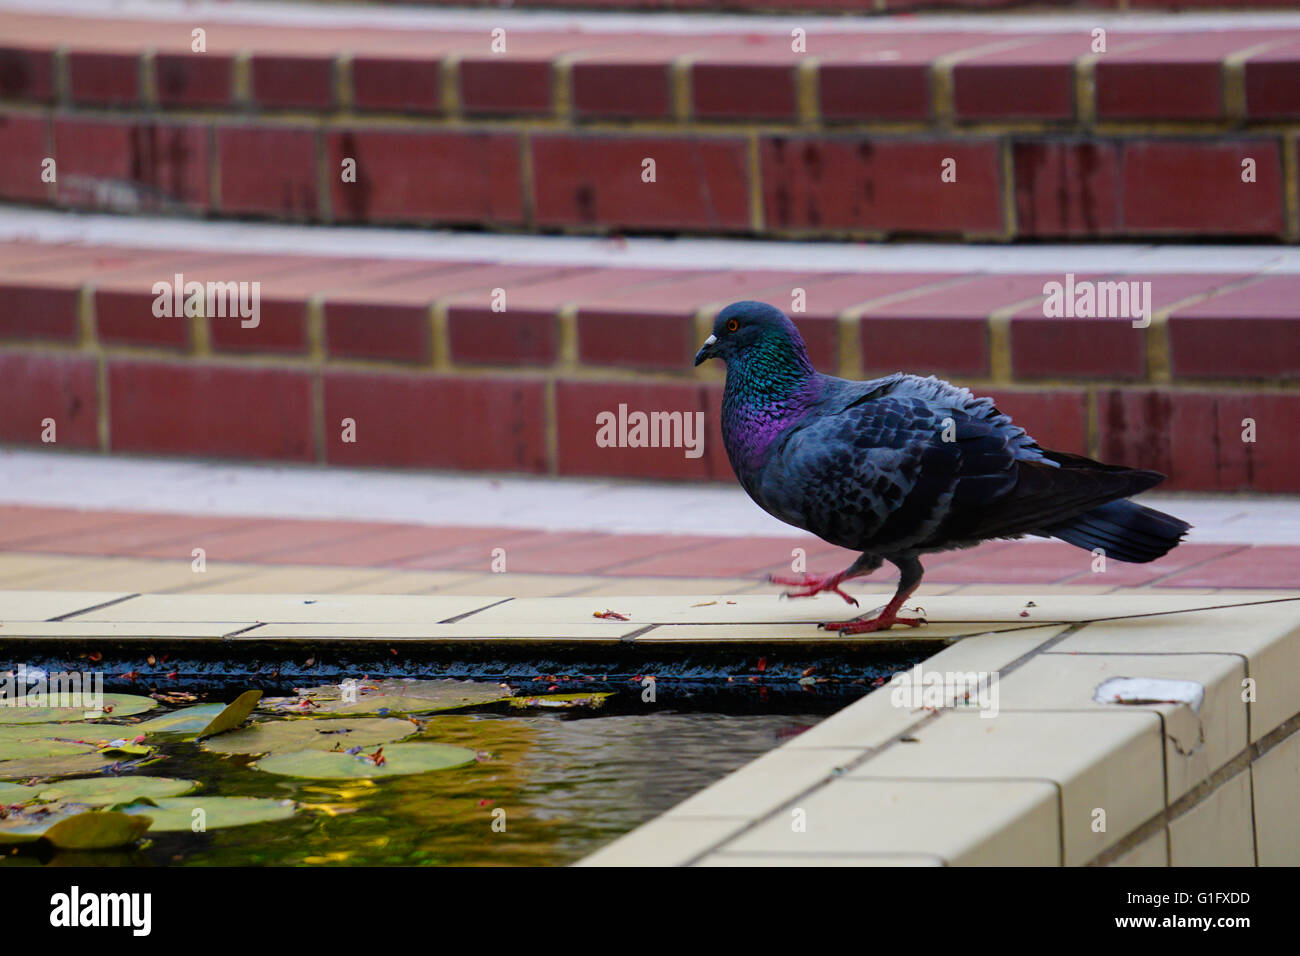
(172, 814)
(388, 697)
(397, 759)
(105, 791)
(113, 705)
(72, 827)
(189, 720)
(283, 736)
(562, 701)
(125, 748)
(233, 715)
(21, 741)
(29, 825)
(96, 830)
(12, 792)
(55, 766)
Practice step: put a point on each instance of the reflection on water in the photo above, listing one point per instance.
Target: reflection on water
(566, 786)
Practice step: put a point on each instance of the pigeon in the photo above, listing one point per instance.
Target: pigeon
(903, 466)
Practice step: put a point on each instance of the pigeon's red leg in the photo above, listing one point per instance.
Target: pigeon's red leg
(887, 618)
(815, 584)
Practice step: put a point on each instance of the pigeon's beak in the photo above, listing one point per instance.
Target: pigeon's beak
(706, 351)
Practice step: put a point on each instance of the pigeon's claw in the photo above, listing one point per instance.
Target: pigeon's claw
(812, 584)
(883, 621)
(880, 623)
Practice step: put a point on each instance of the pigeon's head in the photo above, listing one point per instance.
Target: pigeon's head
(747, 331)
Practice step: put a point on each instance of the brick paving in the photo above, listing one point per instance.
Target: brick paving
(262, 546)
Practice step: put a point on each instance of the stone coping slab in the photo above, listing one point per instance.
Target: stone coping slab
(679, 621)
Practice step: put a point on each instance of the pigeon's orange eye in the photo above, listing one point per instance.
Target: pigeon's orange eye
(732, 325)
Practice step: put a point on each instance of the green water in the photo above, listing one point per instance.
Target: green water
(567, 786)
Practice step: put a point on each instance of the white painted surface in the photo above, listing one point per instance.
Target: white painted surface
(19, 223)
(378, 16)
(1150, 690)
(77, 480)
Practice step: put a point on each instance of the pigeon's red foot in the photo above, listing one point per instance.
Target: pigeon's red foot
(883, 621)
(814, 584)
(879, 623)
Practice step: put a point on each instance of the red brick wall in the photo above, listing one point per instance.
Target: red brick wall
(414, 354)
(748, 137)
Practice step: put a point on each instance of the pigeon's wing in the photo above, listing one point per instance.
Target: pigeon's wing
(909, 463)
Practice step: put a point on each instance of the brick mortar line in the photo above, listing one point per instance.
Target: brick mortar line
(1232, 78)
(807, 86)
(849, 130)
(943, 107)
(147, 76)
(681, 88)
(341, 82)
(754, 170)
(562, 106)
(594, 373)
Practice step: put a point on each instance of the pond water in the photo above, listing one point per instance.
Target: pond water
(567, 784)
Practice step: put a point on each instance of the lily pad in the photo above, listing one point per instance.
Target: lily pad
(12, 792)
(21, 741)
(562, 701)
(29, 825)
(189, 720)
(106, 791)
(388, 697)
(72, 827)
(114, 705)
(285, 736)
(55, 766)
(234, 714)
(97, 830)
(172, 814)
(125, 749)
(398, 759)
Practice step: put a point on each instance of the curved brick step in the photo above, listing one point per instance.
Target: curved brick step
(748, 137)
(413, 351)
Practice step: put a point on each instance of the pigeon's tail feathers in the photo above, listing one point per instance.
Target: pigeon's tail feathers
(1136, 480)
(1123, 530)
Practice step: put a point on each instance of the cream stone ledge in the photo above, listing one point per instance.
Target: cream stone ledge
(675, 621)
(1055, 776)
